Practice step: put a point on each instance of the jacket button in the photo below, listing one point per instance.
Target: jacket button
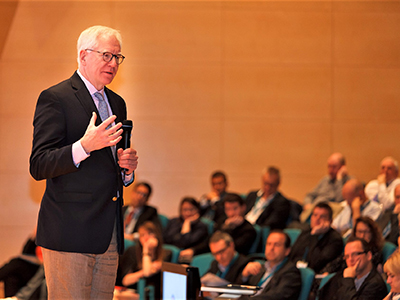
(114, 199)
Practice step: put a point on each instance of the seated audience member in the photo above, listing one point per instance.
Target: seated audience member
(359, 280)
(144, 259)
(186, 231)
(16, 273)
(392, 270)
(211, 205)
(228, 263)
(365, 228)
(138, 212)
(329, 189)
(381, 189)
(356, 205)
(278, 277)
(242, 232)
(267, 207)
(389, 222)
(36, 288)
(236, 225)
(319, 245)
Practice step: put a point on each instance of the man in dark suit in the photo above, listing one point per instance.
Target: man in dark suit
(359, 280)
(267, 207)
(228, 263)
(320, 244)
(278, 277)
(138, 212)
(77, 125)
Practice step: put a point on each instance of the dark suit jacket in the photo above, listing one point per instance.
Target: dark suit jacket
(80, 204)
(337, 287)
(285, 284)
(318, 251)
(197, 234)
(275, 215)
(149, 213)
(234, 273)
(243, 235)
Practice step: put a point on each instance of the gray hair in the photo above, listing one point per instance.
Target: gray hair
(89, 37)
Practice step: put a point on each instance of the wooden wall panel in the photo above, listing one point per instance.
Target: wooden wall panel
(231, 85)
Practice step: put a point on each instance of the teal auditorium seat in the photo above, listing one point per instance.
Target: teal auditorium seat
(307, 279)
(145, 292)
(163, 221)
(174, 251)
(293, 233)
(324, 281)
(264, 235)
(387, 250)
(203, 262)
(210, 225)
(256, 242)
(128, 243)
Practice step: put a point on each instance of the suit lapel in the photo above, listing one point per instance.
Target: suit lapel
(87, 102)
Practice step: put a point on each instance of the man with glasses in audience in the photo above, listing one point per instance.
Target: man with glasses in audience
(138, 211)
(359, 280)
(77, 126)
(228, 263)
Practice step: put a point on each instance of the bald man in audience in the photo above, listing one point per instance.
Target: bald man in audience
(381, 189)
(356, 205)
(329, 189)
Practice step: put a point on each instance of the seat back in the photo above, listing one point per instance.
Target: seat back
(323, 282)
(146, 292)
(163, 221)
(256, 242)
(293, 233)
(307, 279)
(203, 262)
(210, 225)
(387, 250)
(174, 251)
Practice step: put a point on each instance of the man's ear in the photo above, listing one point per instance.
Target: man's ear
(82, 56)
(369, 255)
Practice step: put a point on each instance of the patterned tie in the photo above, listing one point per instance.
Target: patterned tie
(102, 108)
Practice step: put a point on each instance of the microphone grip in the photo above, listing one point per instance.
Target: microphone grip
(127, 126)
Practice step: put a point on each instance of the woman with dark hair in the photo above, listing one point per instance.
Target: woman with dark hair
(365, 228)
(144, 259)
(186, 230)
(368, 230)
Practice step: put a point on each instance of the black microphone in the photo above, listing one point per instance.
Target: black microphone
(126, 136)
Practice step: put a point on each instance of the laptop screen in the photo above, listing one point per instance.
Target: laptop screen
(174, 282)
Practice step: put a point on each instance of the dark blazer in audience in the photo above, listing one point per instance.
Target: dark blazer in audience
(234, 274)
(275, 215)
(285, 284)
(316, 250)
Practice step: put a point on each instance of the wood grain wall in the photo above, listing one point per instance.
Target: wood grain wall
(211, 85)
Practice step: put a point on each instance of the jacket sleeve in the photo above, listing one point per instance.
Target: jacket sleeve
(51, 155)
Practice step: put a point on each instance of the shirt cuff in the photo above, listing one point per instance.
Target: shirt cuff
(78, 153)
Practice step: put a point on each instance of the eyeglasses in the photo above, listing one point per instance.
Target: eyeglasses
(220, 251)
(353, 255)
(108, 56)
